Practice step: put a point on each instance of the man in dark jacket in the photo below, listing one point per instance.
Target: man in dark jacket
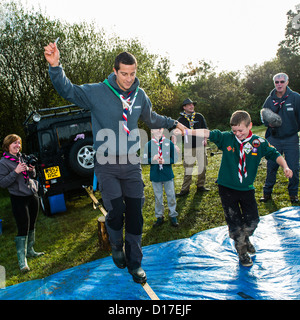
(284, 137)
(193, 148)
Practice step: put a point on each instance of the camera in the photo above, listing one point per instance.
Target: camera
(30, 159)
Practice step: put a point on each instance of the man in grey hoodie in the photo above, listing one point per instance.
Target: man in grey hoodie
(116, 106)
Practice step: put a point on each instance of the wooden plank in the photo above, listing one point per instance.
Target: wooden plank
(149, 291)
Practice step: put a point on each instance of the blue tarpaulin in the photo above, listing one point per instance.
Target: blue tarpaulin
(204, 266)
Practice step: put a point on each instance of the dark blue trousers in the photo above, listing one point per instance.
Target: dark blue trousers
(289, 148)
(122, 190)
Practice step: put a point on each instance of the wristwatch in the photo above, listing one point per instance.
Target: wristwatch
(175, 123)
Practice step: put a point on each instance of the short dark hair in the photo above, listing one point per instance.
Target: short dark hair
(125, 58)
(239, 116)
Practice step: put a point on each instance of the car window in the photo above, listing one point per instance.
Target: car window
(69, 133)
(46, 140)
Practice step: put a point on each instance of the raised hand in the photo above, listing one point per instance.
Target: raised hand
(52, 54)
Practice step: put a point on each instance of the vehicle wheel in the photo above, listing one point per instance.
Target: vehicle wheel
(45, 205)
(81, 158)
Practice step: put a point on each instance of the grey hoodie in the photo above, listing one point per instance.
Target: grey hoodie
(106, 109)
(13, 181)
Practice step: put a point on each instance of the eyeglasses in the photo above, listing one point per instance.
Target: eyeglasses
(282, 81)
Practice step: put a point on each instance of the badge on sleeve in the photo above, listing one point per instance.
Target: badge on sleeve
(256, 143)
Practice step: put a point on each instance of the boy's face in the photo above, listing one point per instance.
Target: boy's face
(241, 131)
(157, 133)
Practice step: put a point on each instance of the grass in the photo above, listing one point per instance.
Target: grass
(70, 239)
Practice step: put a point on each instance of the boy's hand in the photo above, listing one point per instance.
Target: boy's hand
(52, 54)
(288, 172)
(156, 158)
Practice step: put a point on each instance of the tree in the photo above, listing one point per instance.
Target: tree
(217, 95)
(24, 83)
(258, 82)
(87, 55)
(289, 49)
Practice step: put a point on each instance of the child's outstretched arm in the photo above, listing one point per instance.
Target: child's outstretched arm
(204, 133)
(287, 171)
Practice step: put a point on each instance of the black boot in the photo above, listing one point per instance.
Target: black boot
(119, 258)
(250, 246)
(244, 257)
(138, 275)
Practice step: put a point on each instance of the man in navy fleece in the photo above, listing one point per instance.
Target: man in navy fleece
(284, 136)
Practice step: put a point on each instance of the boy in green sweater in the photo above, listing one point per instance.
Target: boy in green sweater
(242, 152)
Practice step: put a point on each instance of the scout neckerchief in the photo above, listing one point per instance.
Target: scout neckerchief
(276, 103)
(25, 174)
(242, 161)
(159, 144)
(190, 118)
(126, 103)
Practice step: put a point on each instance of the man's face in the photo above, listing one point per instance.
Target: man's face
(280, 85)
(125, 76)
(241, 131)
(189, 108)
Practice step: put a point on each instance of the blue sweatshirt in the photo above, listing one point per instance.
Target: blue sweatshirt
(170, 156)
(106, 112)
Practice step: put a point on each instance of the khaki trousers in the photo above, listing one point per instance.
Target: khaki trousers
(191, 156)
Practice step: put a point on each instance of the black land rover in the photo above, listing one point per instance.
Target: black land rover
(61, 138)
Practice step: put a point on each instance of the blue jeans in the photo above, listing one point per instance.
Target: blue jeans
(159, 201)
(289, 147)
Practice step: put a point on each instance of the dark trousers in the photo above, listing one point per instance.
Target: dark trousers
(289, 147)
(25, 211)
(122, 190)
(241, 213)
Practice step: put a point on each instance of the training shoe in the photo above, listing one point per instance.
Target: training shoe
(250, 247)
(174, 222)
(265, 198)
(119, 258)
(138, 275)
(182, 193)
(158, 222)
(202, 189)
(294, 199)
(245, 260)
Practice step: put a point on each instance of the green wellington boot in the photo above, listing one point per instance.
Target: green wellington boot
(21, 244)
(30, 243)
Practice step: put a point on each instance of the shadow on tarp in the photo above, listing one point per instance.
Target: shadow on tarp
(204, 266)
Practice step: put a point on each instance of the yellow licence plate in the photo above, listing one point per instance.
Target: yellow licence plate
(52, 172)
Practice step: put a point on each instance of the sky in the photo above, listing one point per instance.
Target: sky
(230, 34)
